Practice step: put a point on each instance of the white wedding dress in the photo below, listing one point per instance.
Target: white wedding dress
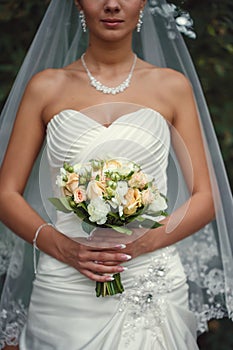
(153, 311)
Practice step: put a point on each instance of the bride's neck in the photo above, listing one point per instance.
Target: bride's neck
(111, 54)
(108, 58)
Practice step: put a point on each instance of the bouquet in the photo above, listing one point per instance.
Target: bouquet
(110, 193)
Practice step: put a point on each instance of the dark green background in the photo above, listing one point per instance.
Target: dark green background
(212, 53)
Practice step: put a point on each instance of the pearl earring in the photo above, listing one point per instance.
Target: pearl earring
(140, 22)
(83, 20)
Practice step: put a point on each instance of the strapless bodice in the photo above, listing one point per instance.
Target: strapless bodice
(142, 136)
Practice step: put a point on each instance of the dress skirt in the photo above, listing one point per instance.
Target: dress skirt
(152, 312)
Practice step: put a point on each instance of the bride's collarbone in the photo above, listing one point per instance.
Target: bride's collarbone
(88, 98)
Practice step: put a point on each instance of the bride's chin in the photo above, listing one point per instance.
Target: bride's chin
(114, 37)
(112, 34)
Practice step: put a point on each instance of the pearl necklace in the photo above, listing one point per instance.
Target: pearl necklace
(105, 89)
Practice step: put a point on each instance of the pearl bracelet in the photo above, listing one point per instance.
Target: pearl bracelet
(35, 245)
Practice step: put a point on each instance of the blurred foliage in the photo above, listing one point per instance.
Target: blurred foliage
(18, 24)
(212, 53)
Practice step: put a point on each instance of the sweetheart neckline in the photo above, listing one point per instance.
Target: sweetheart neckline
(106, 127)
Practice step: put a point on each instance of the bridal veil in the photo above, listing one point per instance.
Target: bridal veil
(206, 255)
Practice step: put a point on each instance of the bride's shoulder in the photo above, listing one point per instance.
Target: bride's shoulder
(165, 77)
(170, 79)
(53, 80)
(48, 80)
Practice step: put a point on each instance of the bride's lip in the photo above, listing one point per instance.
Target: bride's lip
(112, 22)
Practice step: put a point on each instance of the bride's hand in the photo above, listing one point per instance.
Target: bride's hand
(93, 262)
(142, 244)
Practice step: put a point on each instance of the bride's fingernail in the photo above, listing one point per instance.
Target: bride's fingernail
(122, 268)
(120, 246)
(109, 278)
(126, 257)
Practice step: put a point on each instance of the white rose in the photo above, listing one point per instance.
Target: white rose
(98, 210)
(158, 204)
(59, 181)
(127, 167)
(121, 190)
(119, 198)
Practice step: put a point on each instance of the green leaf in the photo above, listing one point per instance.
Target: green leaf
(87, 227)
(147, 223)
(80, 213)
(156, 224)
(121, 229)
(61, 204)
(83, 205)
(114, 215)
(158, 213)
(139, 218)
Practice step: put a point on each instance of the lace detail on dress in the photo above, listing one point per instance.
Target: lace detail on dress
(6, 248)
(13, 311)
(145, 304)
(11, 323)
(207, 281)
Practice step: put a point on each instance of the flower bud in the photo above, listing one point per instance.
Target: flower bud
(65, 178)
(110, 191)
(96, 165)
(66, 166)
(72, 204)
(112, 184)
(82, 180)
(115, 177)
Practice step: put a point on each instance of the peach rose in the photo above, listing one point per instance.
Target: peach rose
(112, 164)
(80, 195)
(147, 197)
(138, 180)
(133, 201)
(72, 183)
(95, 189)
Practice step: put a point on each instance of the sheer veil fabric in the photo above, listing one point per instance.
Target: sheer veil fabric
(206, 255)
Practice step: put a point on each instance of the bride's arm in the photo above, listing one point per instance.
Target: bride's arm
(25, 143)
(199, 209)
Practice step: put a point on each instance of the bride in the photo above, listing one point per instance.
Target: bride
(109, 101)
